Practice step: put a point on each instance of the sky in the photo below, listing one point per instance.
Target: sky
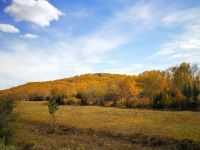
(52, 39)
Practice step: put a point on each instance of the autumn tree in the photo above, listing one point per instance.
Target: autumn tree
(154, 84)
(127, 90)
(112, 92)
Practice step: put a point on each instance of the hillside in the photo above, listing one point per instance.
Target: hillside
(69, 85)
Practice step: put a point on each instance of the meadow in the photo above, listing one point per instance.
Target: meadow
(95, 127)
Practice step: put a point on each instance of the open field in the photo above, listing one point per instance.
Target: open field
(108, 128)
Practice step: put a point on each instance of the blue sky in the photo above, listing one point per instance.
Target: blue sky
(46, 40)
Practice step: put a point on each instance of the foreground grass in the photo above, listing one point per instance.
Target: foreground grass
(124, 122)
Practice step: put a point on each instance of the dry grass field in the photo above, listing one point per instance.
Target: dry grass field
(92, 127)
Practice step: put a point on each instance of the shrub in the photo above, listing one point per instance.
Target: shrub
(72, 101)
(36, 97)
(7, 118)
(108, 103)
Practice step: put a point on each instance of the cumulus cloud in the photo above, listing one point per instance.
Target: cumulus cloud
(8, 28)
(29, 36)
(40, 12)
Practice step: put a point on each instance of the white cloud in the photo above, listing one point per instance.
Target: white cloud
(29, 36)
(182, 47)
(8, 28)
(184, 44)
(21, 63)
(40, 12)
(186, 16)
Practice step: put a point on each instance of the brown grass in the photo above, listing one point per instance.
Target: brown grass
(110, 126)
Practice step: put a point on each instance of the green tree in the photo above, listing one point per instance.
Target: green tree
(187, 92)
(53, 107)
(157, 101)
(195, 94)
(195, 86)
(8, 119)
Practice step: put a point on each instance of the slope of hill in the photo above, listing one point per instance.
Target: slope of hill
(67, 86)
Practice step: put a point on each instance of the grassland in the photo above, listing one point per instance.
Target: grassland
(92, 127)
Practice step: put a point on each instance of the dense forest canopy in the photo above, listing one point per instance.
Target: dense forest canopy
(175, 88)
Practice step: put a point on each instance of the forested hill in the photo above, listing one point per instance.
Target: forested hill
(66, 86)
(177, 87)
